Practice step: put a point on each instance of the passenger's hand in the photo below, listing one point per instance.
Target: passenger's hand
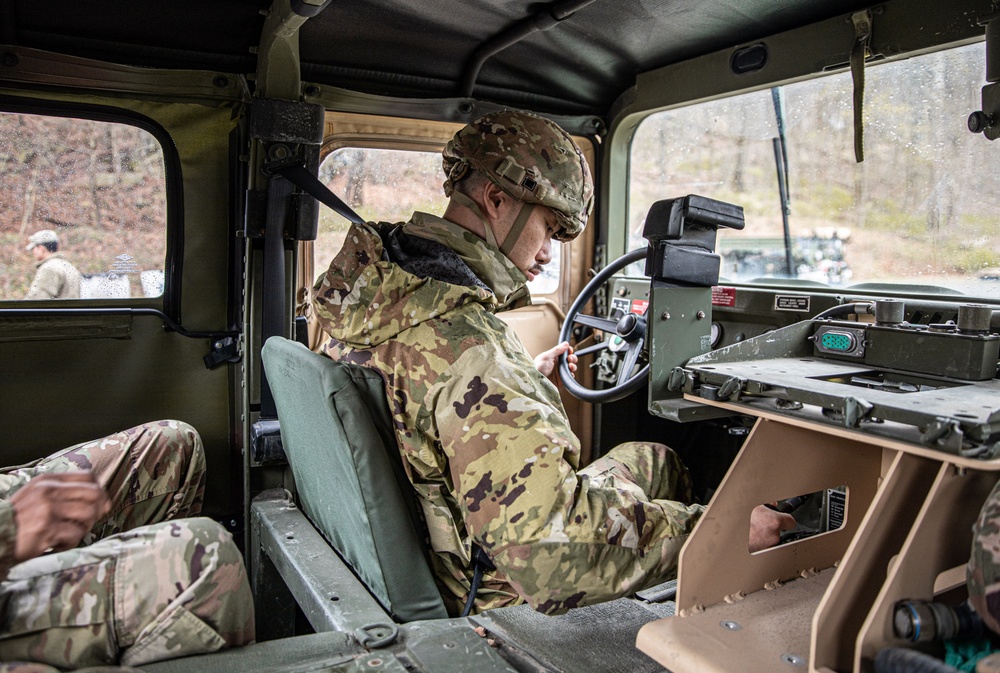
(766, 525)
(55, 511)
(546, 362)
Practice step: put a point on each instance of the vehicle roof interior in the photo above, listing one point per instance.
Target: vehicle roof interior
(569, 57)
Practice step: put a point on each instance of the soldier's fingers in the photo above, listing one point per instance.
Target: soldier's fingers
(80, 497)
(74, 490)
(85, 512)
(38, 495)
(78, 475)
(36, 535)
(66, 534)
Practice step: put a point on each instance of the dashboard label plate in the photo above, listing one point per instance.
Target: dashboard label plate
(791, 302)
(724, 296)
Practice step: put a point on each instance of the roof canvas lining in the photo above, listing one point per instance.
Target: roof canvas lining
(572, 57)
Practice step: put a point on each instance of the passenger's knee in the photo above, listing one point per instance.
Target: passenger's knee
(219, 589)
(218, 553)
(205, 539)
(181, 438)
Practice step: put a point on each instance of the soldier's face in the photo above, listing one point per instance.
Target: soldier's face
(534, 246)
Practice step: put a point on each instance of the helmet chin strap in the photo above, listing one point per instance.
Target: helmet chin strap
(515, 230)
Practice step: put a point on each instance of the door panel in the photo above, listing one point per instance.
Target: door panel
(69, 376)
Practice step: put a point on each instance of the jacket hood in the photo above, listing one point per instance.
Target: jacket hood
(405, 274)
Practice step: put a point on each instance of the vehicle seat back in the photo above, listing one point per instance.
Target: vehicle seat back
(337, 433)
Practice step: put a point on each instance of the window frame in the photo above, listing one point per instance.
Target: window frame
(403, 134)
(173, 263)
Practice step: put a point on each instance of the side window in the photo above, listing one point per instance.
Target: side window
(388, 186)
(82, 209)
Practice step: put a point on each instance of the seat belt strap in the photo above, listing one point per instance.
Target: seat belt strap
(298, 175)
(279, 192)
(283, 175)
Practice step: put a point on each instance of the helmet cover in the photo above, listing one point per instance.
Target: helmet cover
(530, 158)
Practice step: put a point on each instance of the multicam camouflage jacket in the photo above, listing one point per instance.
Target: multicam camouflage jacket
(484, 435)
(8, 535)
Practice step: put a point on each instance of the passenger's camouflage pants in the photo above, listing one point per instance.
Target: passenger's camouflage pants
(983, 571)
(174, 588)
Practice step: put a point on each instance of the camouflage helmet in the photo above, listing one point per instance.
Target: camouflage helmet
(531, 159)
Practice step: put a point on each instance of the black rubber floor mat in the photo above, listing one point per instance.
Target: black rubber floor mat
(584, 640)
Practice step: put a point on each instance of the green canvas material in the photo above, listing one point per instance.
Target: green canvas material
(337, 434)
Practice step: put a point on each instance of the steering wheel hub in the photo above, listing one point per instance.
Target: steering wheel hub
(631, 327)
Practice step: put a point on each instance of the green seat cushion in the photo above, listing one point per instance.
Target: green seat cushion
(337, 433)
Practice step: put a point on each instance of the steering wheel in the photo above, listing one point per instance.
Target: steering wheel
(631, 328)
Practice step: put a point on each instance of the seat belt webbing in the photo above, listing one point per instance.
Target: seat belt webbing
(297, 174)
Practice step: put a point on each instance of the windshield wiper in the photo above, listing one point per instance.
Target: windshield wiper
(781, 164)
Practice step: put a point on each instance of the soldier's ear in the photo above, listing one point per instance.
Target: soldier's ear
(495, 200)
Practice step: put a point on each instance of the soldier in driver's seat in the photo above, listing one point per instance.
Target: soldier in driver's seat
(483, 433)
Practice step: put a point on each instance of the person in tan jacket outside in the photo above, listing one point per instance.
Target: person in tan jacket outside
(55, 276)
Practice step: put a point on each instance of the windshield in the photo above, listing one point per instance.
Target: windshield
(921, 209)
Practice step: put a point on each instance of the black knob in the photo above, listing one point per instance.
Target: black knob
(979, 120)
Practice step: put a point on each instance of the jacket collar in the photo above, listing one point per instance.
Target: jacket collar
(492, 267)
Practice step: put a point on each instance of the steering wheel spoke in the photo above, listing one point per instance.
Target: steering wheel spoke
(628, 364)
(596, 348)
(603, 324)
